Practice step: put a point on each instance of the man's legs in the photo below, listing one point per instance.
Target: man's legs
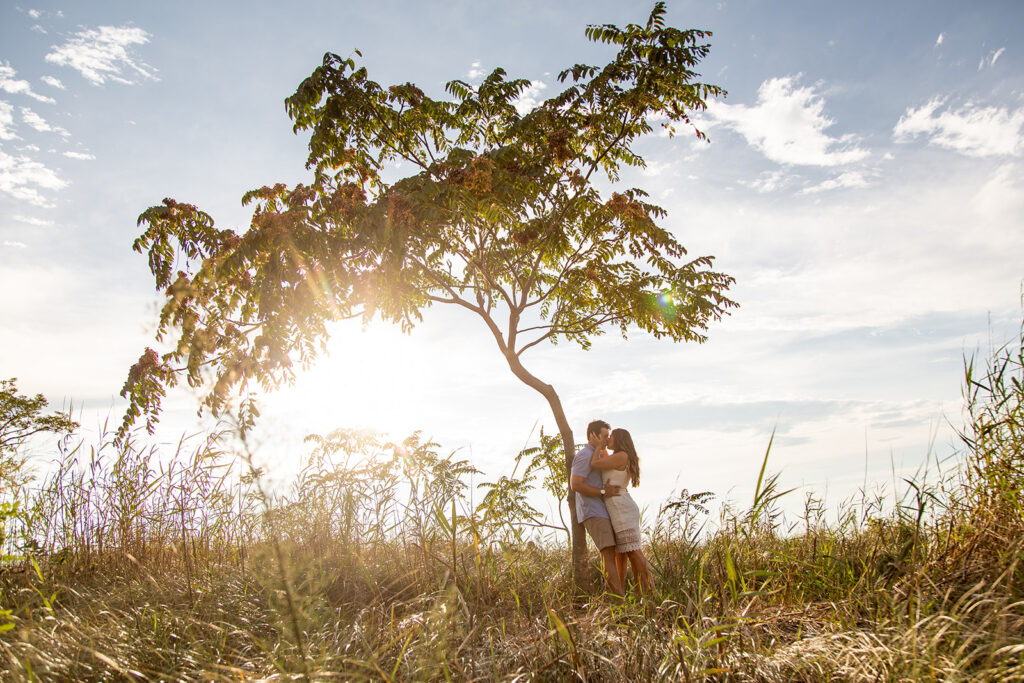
(600, 530)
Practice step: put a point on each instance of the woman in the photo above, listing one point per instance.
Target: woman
(621, 469)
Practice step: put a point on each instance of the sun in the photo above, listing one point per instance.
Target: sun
(374, 378)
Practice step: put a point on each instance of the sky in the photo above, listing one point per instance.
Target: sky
(863, 184)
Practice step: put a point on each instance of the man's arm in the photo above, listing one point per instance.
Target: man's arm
(580, 485)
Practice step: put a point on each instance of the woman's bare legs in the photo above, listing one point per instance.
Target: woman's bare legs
(641, 570)
(620, 564)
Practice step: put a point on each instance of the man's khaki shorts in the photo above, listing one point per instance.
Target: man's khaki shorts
(600, 530)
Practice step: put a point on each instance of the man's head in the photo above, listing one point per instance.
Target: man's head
(597, 433)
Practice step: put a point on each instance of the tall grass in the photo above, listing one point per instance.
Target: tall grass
(376, 563)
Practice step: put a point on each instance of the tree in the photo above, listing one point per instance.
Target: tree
(501, 217)
(21, 418)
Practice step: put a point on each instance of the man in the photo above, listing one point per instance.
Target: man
(590, 508)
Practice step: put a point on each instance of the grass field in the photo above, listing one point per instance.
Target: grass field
(373, 565)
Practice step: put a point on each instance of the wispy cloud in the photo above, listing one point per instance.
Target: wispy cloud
(940, 39)
(8, 83)
(843, 180)
(770, 181)
(23, 178)
(15, 245)
(38, 14)
(653, 169)
(7, 122)
(531, 97)
(32, 220)
(79, 155)
(104, 54)
(788, 125)
(475, 71)
(971, 130)
(38, 123)
(53, 82)
(990, 60)
(1000, 200)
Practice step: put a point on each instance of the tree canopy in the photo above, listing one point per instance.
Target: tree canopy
(21, 418)
(501, 216)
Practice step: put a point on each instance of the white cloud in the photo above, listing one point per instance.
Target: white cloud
(51, 81)
(663, 126)
(7, 122)
(656, 168)
(34, 13)
(23, 178)
(770, 181)
(38, 123)
(990, 60)
(930, 239)
(38, 29)
(475, 71)
(530, 98)
(104, 54)
(79, 155)
(18, 87)
(971, 130)
(32, 221)
(848, 179)
(15, 245)
(788, 125)
(938, 41)
(998, 199)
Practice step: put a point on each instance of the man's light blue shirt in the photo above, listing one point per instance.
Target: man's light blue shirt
(588, 506)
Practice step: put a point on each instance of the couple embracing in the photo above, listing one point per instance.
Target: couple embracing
(602, 471)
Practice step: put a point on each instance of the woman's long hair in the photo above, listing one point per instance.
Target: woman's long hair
(624, 442)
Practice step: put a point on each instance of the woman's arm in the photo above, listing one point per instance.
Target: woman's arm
(615, 461)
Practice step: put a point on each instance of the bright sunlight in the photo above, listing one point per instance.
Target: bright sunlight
(377, 379)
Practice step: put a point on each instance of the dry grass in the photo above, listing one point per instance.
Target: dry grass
(375, 566)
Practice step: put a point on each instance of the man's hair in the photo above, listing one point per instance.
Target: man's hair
(596, 426)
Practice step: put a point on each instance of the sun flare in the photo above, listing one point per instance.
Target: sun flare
(371, 378)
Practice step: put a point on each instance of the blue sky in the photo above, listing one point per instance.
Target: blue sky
(863, 184)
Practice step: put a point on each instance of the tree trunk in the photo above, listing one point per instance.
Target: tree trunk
(580, 569)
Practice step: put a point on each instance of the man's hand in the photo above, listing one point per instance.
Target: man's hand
(612, 490)
(580, 485)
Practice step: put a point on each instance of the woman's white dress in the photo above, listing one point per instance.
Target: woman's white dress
(623, 511)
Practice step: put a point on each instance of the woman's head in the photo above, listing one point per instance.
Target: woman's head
(621, 441)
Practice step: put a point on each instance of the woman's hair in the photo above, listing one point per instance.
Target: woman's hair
(624, 442)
